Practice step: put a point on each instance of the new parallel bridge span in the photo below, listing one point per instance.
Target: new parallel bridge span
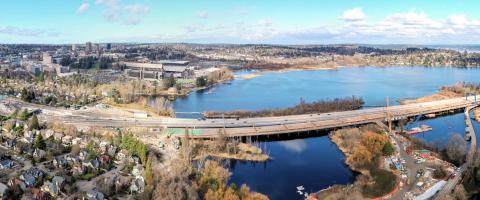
(263, 126)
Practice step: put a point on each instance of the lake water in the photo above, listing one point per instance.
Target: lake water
(316, 163)
(442, 128)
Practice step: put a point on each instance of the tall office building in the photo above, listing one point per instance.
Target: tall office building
(74, 47)
(109, 46)
(88, 47)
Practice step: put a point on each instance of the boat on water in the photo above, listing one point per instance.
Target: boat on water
(421, 129)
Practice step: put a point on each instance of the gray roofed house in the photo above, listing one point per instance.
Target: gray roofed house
(32, 176)
(6, 164)
(94, 195)
(28, 179)
(3, 187)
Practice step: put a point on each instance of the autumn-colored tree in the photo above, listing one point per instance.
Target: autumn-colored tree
(374, 142)
(214, 181)
(361, 156)
(149, 172)
(213, 176)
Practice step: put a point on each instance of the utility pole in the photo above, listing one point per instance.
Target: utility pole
(389, 119)
(224, 124)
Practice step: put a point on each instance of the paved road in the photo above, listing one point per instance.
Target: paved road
(255, 126)
(411, 168)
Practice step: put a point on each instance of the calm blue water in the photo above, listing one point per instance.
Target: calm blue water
(275, 90)
(316, 163)
(443, 127)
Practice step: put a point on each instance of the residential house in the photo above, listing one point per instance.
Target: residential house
(93, 164)
(19, 123)
(67, 140)
(77, 141)
(38, 194)
(60, 162)
(78, 169)
(28, 179)
(138, 185)
(135, 159)
(6, 164)
(83, 155)
(59, 181)
(28, 137)
(103, 147)
(122, 154)
(112, 150)
(55, 186)
(3, 187)
(39, 154)
(16, 181)
(94, 195)
(58, 136)
(137, 170)
(104, 160)
(48, 133)
(72, 159)
(10, 143)
(32, 176)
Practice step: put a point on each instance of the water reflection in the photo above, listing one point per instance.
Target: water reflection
(316, 162)
(442, 128)
(297, 146)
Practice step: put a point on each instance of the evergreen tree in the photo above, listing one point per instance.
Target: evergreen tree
(201, 82)
(39, 142)
(24, 115)
(34, 123)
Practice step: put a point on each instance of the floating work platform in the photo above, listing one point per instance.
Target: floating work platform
(421, 129)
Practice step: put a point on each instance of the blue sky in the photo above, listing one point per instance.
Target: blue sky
(241, 21)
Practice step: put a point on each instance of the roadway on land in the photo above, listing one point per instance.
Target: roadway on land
(450, 186)
(210, 128)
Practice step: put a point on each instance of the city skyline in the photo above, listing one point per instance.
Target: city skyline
(271, 22)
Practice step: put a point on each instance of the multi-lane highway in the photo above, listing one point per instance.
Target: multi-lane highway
(253, 126)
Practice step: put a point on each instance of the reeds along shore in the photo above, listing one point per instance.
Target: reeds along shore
(321, 106)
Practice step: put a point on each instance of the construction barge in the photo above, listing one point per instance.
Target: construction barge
(421, 129)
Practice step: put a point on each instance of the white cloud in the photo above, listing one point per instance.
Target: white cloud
(17, 31)
(403, 27)
(458, 20)
(352, 15)
(137, 9)
(265, 22)
(83, 8)
(116, 11)
(202, 14)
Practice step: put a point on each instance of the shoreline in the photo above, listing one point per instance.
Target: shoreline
(355, 189)
(283, 69)
(241, 152)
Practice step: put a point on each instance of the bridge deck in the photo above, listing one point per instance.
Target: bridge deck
(299, 123)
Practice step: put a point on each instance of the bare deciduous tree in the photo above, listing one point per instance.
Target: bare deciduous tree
(456, 148)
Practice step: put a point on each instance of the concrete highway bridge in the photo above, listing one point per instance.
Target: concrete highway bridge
(262, 126)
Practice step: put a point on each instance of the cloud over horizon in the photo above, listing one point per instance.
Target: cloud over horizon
(83, 8)
(244, 22)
